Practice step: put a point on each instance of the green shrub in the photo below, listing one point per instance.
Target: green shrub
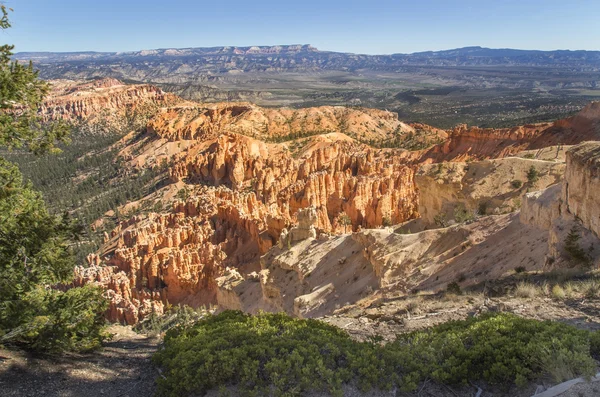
(462, 214)
(34, 258)
(533, 175)
(273, 354)
(520, 269)
(53, 320)
(516, 184)
(453, 288)
(500, 349)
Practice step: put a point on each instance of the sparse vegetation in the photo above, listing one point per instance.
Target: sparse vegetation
(454, 288)
(520, 269)
(526, 290)
(462, 214)
(533, 175)
(558, 292)
(440, 220)
(345, 220)
(174, 316)
(273, 354)
(516, 184)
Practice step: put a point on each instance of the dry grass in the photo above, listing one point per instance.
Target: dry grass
(526, 290)
(558, 292)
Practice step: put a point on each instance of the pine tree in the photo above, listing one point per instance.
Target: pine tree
(34, 245)
(573, 248)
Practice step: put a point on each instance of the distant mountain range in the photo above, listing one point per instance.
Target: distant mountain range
(306, 57)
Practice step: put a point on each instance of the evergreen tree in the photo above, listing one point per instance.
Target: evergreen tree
(34, 253)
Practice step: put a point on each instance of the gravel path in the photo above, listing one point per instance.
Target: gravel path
(121, 368)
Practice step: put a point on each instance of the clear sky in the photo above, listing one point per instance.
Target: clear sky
(368, 26)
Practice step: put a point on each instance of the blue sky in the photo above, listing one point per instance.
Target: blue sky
(371, 27)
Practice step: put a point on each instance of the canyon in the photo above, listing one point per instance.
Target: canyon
(308, 210)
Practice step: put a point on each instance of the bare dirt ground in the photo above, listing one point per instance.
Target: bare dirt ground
(122, 368)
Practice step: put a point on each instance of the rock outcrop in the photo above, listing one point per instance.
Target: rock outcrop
(457, 191)
(105, 104)
(240, 178)
(570, 207)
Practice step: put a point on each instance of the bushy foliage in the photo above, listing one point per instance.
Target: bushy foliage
(35, 259)
(533, 175)
(273, 354)
(20, 93)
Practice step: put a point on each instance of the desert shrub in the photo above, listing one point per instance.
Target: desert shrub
(516, 184)
(520, 269)
(273, 354)
(453, 288)
(440, 220)
(558, 292)
(500, 349)
(387, 221)
(526, 290)
(462, 214)
(482, 208)
(595, 344)
(533, 175)
(290, 354)
(175, 316)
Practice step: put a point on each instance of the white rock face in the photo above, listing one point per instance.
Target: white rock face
(581, 191)
(542, 207)
(573, 204)
(307, 219)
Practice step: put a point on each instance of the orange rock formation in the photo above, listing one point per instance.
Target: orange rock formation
(247, 172)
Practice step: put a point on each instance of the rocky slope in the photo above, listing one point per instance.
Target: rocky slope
(239, 177)
(570, 207)
(105, 104)
(317, 276)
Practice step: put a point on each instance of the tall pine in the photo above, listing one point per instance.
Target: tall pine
(37, 310)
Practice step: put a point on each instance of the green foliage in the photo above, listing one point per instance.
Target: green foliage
(34, 257)
(454, 288)
(20, 94)
(440, 220)
(462, 214)
(48, 319)
(35, 260)
(516, 184)
(533, 175)
(482, 208)
(572, 247)
(345, 220)
(500, 349)
(386, 221)
(273, 354)
(520, 269)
